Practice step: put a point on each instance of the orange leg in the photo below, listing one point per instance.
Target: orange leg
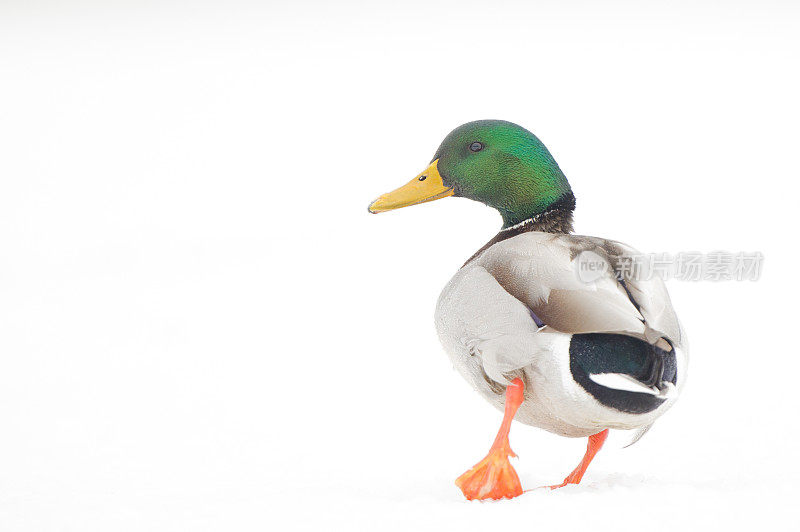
(595, 443)
(494, 477)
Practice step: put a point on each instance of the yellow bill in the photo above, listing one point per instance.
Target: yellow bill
(427, 186)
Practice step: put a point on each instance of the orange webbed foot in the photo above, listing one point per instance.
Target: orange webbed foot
(572, 478)
(491, 478)
(494, 477)
(595, 444)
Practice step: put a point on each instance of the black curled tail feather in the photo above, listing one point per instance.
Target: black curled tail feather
(602, 353)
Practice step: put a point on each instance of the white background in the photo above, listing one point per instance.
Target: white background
(201, 328)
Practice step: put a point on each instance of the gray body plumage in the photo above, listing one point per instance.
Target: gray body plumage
(487, 318)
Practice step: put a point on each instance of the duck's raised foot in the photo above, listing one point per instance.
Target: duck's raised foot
(494, 477)
(491, 478)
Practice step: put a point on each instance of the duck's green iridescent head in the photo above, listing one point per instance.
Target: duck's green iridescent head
(492, 161)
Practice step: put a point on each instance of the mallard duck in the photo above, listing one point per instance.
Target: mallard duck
(547, 345)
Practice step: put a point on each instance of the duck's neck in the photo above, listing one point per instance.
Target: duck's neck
(556, 219)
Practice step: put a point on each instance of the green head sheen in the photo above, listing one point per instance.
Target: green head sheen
(504, 166)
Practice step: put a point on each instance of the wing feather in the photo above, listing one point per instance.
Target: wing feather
(540, 270)
(488, 307)
(490, 323)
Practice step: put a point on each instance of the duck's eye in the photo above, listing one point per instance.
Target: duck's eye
(423, 177)
(476, 146)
